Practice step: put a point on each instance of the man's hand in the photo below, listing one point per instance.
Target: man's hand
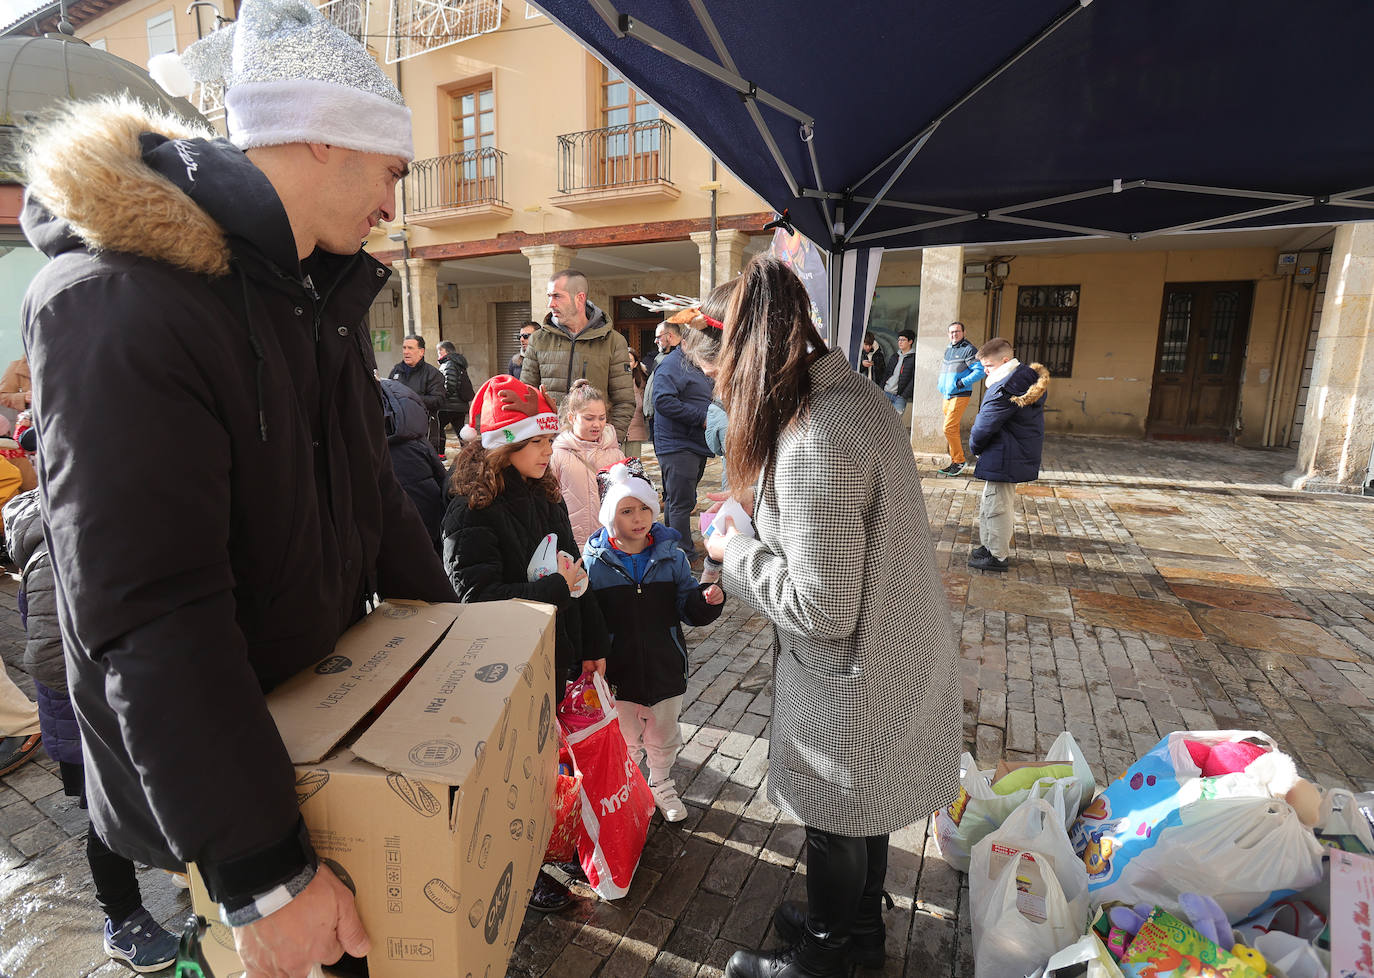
(317, 927)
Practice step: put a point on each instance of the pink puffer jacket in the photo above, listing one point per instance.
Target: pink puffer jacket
(575, 463)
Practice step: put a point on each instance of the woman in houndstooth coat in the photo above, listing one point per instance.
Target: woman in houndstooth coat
(867, 714)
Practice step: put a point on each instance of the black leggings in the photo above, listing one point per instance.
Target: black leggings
(116, 885)
(844, 876)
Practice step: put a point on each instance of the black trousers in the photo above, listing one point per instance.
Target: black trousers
(845, 877)
(682, 472)
(116, 885)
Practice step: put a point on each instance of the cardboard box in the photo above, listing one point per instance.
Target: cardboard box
(434, 808)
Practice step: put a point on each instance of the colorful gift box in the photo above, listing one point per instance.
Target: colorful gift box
(1165, 947)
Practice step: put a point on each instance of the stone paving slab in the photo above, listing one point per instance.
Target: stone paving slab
(1090, 631)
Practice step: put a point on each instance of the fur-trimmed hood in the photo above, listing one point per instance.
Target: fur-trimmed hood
(1036, 390)
(113, 175)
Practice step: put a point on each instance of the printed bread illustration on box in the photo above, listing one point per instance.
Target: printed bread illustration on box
(414, 794)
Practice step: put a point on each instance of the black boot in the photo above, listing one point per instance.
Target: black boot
(867, 939)
(812, 957)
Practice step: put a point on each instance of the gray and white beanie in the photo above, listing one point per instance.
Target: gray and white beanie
(290, 76)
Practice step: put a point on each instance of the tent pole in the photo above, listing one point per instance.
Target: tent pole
(920, 144)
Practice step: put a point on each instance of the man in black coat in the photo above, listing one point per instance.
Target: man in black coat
(208, 297)
(424, 379)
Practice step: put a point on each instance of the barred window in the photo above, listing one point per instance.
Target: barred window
(1046, 325)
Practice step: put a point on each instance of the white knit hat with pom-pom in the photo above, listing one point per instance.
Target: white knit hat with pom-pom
(621, 479)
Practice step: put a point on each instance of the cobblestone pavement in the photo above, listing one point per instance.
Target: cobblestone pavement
(1155, 586)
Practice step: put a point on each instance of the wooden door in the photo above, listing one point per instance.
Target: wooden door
(1198, 363)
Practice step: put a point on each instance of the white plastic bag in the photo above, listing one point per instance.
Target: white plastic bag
(979, 810)
(1086, 951)
(1028, 891)
(1340, 815)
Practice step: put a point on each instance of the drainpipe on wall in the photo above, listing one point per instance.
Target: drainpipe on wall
(714, 192)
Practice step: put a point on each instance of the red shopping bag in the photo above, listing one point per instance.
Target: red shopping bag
(616, 802)
(567, 808)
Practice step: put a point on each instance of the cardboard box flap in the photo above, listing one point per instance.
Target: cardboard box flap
(316, 708)
(461, 686)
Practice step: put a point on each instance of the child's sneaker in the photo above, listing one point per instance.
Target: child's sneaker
(665, 796)
(141, 943)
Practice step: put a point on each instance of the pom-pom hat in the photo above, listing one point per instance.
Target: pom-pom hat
(622, 479)
(506, 411)
(290, 76)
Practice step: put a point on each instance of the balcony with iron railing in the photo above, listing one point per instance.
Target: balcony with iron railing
(444, 189)
(615, 163)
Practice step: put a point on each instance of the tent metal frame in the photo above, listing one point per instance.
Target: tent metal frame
(727, 73)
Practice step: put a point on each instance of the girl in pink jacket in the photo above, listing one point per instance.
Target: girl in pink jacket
(586, 445)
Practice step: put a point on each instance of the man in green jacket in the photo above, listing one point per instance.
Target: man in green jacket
(577, 341)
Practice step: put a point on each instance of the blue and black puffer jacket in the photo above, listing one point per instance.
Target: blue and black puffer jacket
(645, 601)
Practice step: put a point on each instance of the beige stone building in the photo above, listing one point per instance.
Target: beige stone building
(532, 156)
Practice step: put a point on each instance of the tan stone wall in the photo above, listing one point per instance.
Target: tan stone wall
(1118, 328)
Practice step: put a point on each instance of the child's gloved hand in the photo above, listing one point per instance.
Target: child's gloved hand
(714, 595)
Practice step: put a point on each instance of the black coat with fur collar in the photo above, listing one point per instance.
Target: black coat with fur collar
(218, 496)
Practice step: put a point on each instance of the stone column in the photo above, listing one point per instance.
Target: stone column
(420, 301)
(942, 290)
(545, 260)
(1338, 428)
(730, 246)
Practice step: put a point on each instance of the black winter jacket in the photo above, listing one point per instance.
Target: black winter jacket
(487, 553)
(240, 530)
(648, 661)
(457, 384)
(418, 469)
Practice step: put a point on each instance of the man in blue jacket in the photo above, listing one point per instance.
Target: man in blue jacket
(958, 373)
(1008, 437)
(681, 397)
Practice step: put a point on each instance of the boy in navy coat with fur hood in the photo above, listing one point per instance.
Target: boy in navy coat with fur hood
(644, 585)
(1008, 437)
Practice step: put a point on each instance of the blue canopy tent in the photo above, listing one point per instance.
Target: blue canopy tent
(918, 123)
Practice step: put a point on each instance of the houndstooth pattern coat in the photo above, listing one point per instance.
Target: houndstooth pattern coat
(867, 714)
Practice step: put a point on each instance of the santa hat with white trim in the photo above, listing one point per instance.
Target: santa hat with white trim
(290, 76)
(506, 411)
(617, 482)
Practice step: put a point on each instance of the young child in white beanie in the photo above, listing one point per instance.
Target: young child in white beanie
(645, 588)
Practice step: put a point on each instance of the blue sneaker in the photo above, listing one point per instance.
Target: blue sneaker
(141, 943)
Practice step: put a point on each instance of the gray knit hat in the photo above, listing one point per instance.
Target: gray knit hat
(290, 76)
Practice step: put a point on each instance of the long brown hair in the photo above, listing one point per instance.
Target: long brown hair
(701, 346)
(480, 474)
(763, 378)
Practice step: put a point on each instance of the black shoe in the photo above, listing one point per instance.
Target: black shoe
(867, 941)
(977, 554)
(548, 894)
(14, 751)
(573, 870)
(810, 958)
(988, 562)
(953, 468)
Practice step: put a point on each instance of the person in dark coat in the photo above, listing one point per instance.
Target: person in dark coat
(506, 505)
(901, 378)
(425, 379)
(131, 934)
(420, 473)
(645, 588)
(681, 395)
(1008, 437)
(198, 569)
(458, 392)
(873, 363)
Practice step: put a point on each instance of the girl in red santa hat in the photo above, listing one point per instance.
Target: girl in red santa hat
(506, 534)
